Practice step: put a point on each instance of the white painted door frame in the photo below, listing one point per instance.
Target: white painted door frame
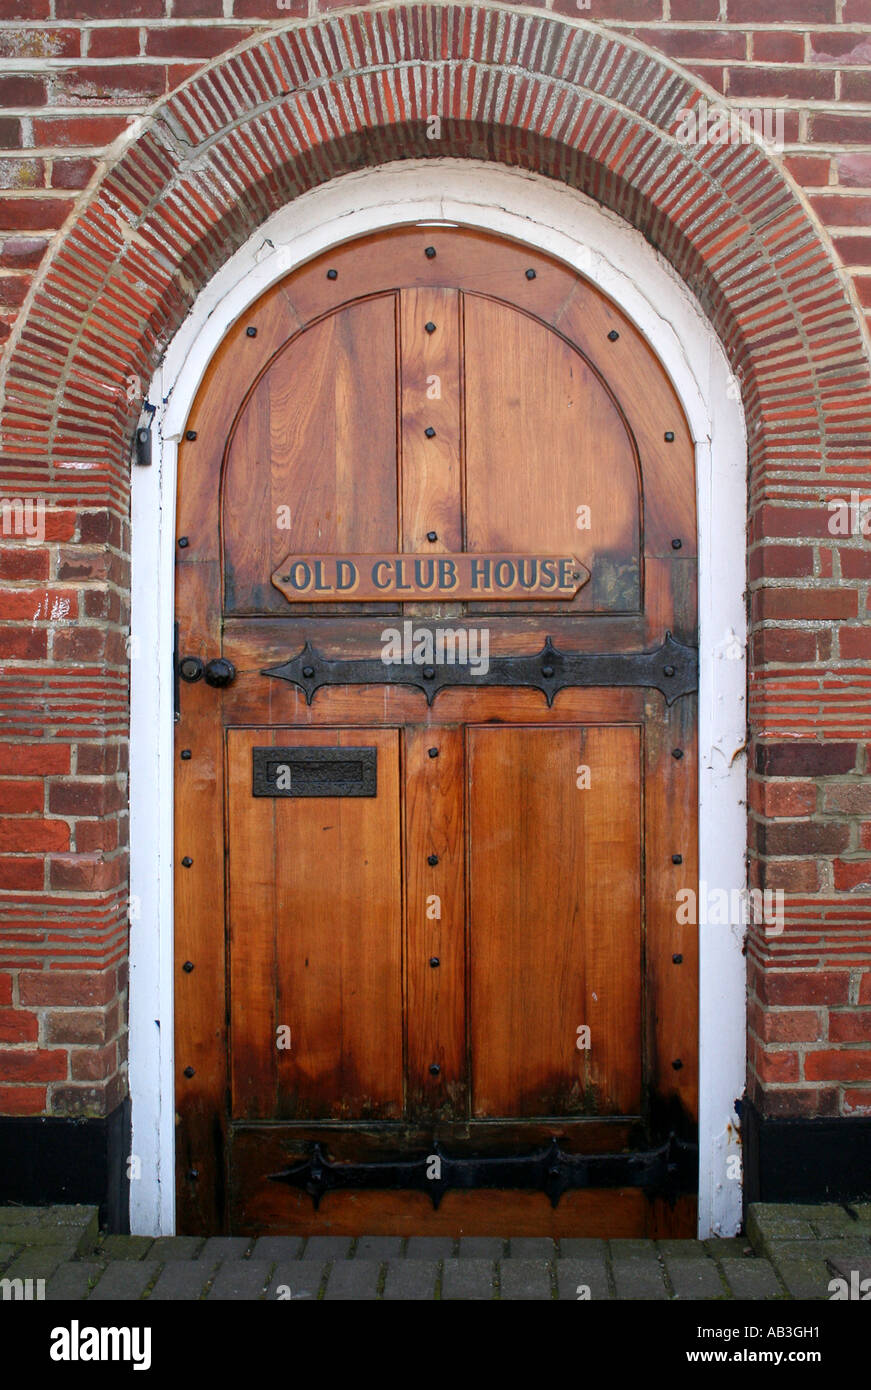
(564, 223)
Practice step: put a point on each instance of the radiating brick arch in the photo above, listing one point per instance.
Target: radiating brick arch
(303, 105)
(314, 101)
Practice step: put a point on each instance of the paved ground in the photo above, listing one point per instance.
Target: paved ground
(791, 1252)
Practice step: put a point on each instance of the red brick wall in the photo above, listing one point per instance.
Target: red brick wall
(89, 293)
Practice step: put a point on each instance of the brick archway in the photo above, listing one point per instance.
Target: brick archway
(294, 109)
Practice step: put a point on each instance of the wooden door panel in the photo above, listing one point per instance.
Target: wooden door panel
(433, 950)
(530, 396)
(315, 939)
(555, 933)
(311, 464)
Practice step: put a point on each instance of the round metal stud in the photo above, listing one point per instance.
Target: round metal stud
(432, 536)
(434, 1069)
(428, 673)
(432, 860)
(547, 672)
(669, 436)
(677, 859)
(678, 959)
(677, 1064)
(430, 327)
(191, 435)
(430, 253)
(429, 432)
(530, 274)
(187, 861)
(433, 752)
(308, 672)
(189, 1071)
(250, 332)
(185, 755)
(677, 544)
(677, 753)
(188, 967)
(332, 275)
(183, 542)
(193, 1174)
(613, 336)
(668, 670)
(434, 961)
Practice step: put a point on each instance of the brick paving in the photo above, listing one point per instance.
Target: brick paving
(790, 1252)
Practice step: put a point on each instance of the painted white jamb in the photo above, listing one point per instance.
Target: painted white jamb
(615, 257)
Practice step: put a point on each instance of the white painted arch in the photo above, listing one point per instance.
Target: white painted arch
(566, 224)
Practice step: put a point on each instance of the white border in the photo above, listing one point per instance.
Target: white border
(614, 256)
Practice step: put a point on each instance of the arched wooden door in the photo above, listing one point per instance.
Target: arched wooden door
(437, 509)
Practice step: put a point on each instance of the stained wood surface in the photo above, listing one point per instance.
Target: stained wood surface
(556, 904)
(312, 457)
(315, 919)
(555, 931)
(531, 396)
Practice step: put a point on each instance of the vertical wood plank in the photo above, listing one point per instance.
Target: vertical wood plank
(252, 929)
(436, 1016)
(430, 399)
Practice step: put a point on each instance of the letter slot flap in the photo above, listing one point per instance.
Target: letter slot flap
(314, 771)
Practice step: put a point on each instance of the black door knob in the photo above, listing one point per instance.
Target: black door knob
(220, 672)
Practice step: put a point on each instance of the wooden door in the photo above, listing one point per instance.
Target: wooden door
(435, 922)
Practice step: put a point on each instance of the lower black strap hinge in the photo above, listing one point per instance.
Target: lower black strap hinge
(669, 1171)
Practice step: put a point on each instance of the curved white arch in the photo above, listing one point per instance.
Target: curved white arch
(568, 225)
